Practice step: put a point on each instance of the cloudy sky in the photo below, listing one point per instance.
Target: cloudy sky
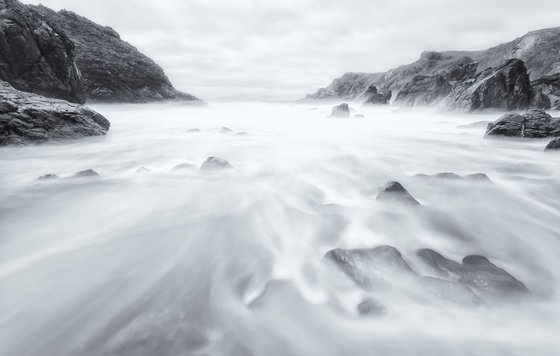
(283, 49)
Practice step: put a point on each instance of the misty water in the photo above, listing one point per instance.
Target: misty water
(232, 262)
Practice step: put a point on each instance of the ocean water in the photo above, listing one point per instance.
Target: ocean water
(231, 262)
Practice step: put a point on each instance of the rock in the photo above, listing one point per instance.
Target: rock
(532, 124)
(447, 175)
(370, 307)
(480, 177)
(376, 98)
(7, 107)
(112, 69)
(347, 87)
(439, 264)
(488, 278)
(342, 111)
(242, 133)
(39, 120)
(506, 87)
(194, 130)
(36, 55)
(88, 173)
(553, 145)
(423, 91)
(48, 177)
(549, 86)
(359, 116)
(447, 291)
(368, 267)
(395, 192)
(183, 166)
(142, 170)
(214, 163)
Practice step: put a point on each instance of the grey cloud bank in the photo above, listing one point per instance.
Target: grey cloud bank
(275, 50)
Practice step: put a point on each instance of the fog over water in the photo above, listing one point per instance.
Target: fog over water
(231, 262)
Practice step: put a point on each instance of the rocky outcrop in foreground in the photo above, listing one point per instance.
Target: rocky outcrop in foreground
(532, 124)
(36, 55)
(553, 145)
(27, 118)
(112, 69)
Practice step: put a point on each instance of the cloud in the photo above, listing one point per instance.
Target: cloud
(282, 49)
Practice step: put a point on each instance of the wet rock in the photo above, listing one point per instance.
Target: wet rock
(395, 192)
(506, 87)
(88, 173)
(112, 70)
(342, 111)
(359, 116)
(39, 120)
(549, 86)
(439, 264)
(371, 307)
(48, 177)
(36, 55)
(447, 175)
(532, 124)
(142, 170)
(476, 177)
(215, 163)
(423, 90)
(226, 130)
(553, 145)
(488, 278)
(7, 107)
(194, 130)
(183, 166)
(242, 133)
(440, 290)
(367, 267)
(374, 97)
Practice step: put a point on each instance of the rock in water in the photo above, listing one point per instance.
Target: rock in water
(553, 145)
(347, 87)
(48, 177)
(532, 124)
(38, 119)
(36, 55)
(183, 166)
(423, 91)
(214, 163)
(112, 69)
(88, 173)
(439, 264)
(371, 307)
(395, 192)
(342, 110)
(506, 87)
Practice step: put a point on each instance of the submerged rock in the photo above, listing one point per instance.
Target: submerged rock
(439, 264)
(395, 192)
(39, 120)
(215, 163)
(371, 307)
(48, 177)
(342, 111)
(183, 166)
(553, 145)
(532, 124)
(88, 173)
(194, 130)
(142, 170)
(480, 177)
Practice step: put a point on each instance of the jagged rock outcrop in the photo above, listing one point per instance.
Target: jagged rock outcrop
(342, 111)
(549, 86)
(347, 87)
(395, 192)
(36, 55)
(423, 91)
(112, 69)
(374, 97)
(553, 145)
(532, 124)
(506, 87)
(214, 164)
(27, 118)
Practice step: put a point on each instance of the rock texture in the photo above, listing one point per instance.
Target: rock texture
(112, 69)
(342, 110)
(550, 87)
(215, 163)
(395, 192)
(27, 118)
(553, 145)
(347, 87)
(374, 97)
(532, 124)
(423, 91)
(36, 55)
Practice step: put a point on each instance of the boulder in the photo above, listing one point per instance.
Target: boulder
(553, 145)
(506, 87)
(342, 110)
(183, 166)
(48, 177)
(395, 192)
(480, 177)
(423, 90)
(36, 55)
(88, 173)
(439, 264)
(215, 163)
(39, 120)
(532, 124)
(112, 69)
(371, 307)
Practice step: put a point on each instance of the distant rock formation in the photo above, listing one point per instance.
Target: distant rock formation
(112, 69)
(532, 124)
(27, 118)
(36, 55)
(347, 87)
(374, 97)
(423, 90)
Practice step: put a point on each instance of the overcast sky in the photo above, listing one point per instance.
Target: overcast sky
(283, 49)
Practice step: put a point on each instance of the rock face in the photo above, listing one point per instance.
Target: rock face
(112, 69)
(423, 91)
(395, 192)
(36, 55)
(374, 97)
(549, 86)
(27, 118)
(347, 87)
(553, 145)
(506, 87)
(342, 110)
(532, 124)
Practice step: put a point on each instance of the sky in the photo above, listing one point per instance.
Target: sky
(283, 49)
